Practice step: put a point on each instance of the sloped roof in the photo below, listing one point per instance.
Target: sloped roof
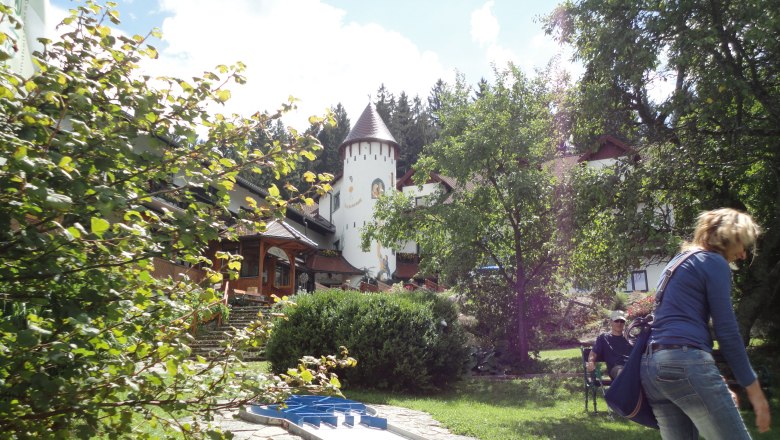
(335, 264)
(609, 147)
(278, 229)
(449, 182)
(369, 127)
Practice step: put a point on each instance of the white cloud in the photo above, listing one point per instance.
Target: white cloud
(484, 25)
(301, 48)
(485, 31)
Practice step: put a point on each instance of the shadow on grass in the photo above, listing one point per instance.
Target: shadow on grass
(537, 392)
(530, 393)
(575, 428)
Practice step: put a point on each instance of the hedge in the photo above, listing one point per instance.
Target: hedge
(410, 341)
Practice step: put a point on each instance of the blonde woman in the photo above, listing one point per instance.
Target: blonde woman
(685, 389)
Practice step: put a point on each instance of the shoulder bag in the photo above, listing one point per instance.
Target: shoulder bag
(625, 396)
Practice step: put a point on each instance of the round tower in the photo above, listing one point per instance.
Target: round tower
(369, 154)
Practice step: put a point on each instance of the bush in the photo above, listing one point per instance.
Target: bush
(410, 341)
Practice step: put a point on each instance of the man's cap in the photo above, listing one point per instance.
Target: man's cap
(618, 315)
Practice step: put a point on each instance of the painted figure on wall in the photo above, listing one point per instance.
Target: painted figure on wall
(383, 273)
(377, 188)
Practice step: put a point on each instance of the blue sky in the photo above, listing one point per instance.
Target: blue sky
(328, 51)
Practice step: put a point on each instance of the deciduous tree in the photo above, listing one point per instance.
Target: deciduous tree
(694, 85)
(90, 342)
(503, 211)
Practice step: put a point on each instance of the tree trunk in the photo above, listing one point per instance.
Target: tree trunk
(522, 336)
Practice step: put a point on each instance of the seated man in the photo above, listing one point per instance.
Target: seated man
(612, 347)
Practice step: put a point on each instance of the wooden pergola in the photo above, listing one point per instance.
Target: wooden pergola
(269, 266)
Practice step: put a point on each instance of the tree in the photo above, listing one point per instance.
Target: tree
(503, 211)
(711, 141)
(331, 137)
(385, 103)
(435, 100)
(89, 339)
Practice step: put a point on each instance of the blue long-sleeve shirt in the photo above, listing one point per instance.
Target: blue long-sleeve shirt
(700, 289)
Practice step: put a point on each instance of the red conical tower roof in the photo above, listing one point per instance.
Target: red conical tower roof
(369, 127)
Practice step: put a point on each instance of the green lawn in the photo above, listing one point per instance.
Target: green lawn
(539, 408)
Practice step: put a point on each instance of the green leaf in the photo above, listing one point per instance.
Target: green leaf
(222, 95)
(27, 338)
(65, 163)
(21, 152)
(172, 366)
(99, 226)
(75, 232)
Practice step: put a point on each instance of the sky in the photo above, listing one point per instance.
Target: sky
(325, 52)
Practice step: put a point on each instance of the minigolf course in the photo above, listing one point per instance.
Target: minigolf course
(326, 418)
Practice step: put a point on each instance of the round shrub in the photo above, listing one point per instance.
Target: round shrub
(409, 341)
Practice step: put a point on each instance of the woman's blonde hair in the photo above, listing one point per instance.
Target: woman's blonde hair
(718, 229)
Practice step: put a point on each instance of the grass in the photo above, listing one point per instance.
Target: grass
(538, 408)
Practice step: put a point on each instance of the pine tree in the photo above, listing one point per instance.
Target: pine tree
(331, 137)
(385, 103)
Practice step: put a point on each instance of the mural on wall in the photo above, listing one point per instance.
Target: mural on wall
(383, 274)
(351, 202)
(377, 188)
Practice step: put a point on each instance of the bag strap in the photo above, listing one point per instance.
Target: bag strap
(659, 292)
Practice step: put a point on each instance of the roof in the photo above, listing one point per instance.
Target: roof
(298, 213)
(369, 127)
(335, 264)
(281, 230)
(609, 147)
(449, 182)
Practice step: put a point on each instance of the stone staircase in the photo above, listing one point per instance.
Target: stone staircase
(209, 340)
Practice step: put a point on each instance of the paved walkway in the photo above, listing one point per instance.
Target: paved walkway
(416, 422)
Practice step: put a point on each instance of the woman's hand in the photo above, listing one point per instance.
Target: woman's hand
(760, 406)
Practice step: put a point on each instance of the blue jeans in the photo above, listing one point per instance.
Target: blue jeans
(689, 397)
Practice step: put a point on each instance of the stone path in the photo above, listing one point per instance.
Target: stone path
(416, 422)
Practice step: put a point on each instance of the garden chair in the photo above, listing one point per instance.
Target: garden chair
(593, 380)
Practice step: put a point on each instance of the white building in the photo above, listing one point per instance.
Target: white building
(370, 154)
(31, 14)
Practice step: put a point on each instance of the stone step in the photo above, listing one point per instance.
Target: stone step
(210, 342)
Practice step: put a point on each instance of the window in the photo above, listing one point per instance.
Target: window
(637, 281)
(336, 201)
(251, 264)
(419, 201)
(282, 275)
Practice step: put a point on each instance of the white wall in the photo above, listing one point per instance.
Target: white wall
(369, 167)
(33, 15)
(415, 191)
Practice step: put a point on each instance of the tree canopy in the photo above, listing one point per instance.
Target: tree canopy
(694, 86)
(100, 172)
(503, 209)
